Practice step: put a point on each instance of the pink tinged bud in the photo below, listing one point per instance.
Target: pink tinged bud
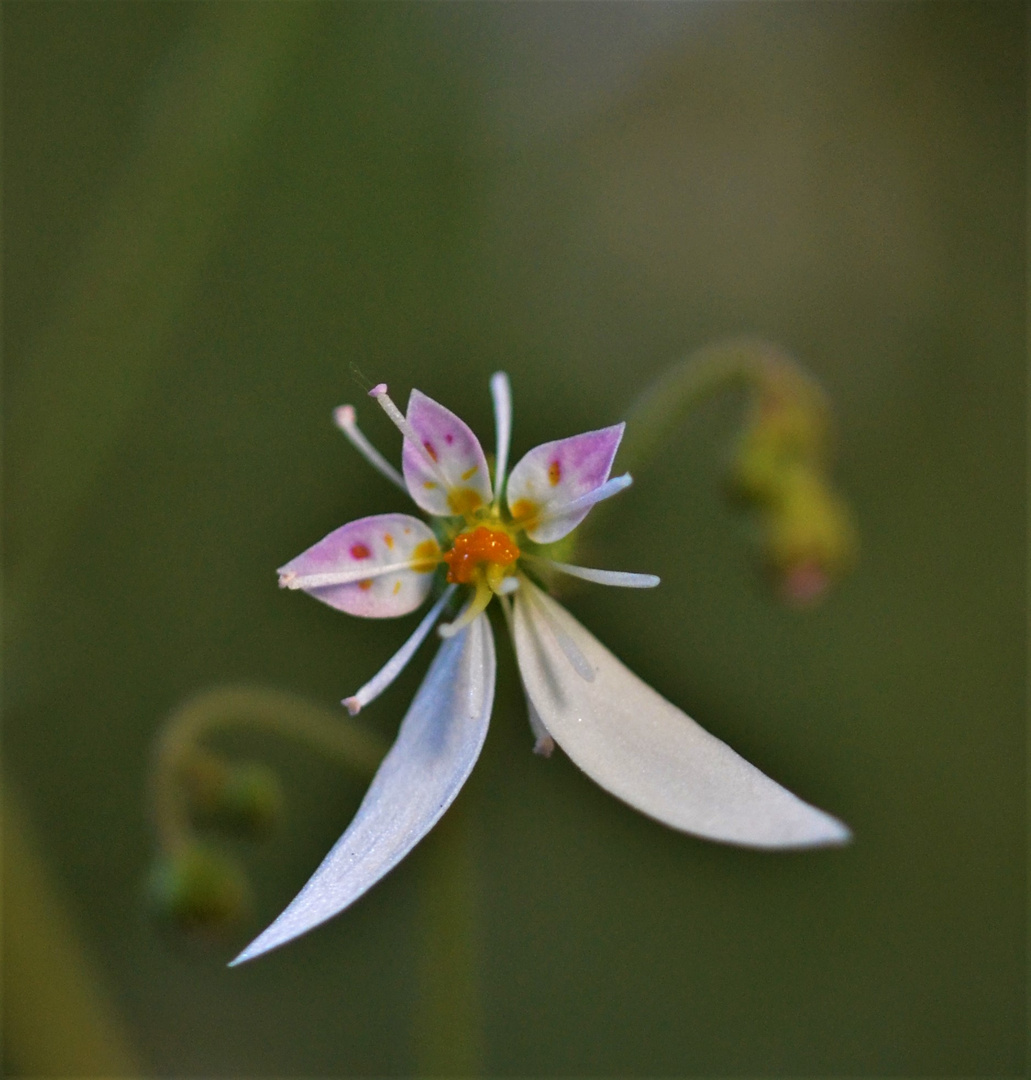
(810, 540)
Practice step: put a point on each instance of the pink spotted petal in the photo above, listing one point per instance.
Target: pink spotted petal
(378, 567)
(553, 475)
(448, 474)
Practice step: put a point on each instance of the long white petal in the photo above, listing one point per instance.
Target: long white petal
(645, 750)
(439, 741)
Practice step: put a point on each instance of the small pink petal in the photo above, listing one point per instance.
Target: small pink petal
(398, 551)
(447, 475)
(555, 474)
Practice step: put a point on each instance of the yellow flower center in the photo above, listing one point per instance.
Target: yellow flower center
(480, 552)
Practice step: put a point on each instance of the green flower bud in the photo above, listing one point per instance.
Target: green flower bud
(198, 890)
(252, 801)
(784, 435)
(244, 799)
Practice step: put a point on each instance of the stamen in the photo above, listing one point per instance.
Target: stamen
(501, 392)
(345, 420)
(290, 580)
(572, 651)
(543, 743)
(396, 664)
(379, 392)
(621, 578)
(477, 604)
(611, 487)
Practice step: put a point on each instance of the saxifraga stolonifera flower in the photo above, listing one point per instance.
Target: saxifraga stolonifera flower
(491, 533)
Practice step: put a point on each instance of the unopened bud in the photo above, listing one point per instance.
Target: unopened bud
(784, 435)
(244, 799)
(810, 540)
(198, 890)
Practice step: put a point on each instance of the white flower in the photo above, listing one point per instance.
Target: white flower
(611, 724)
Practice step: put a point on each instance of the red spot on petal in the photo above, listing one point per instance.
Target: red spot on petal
(430, 450)
(360, 551)
(365, 585)
(554, 472)
(449, 438)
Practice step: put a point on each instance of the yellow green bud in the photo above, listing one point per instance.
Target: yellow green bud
(809, 537)
(784, 434)
(244, 799)
(198, 890)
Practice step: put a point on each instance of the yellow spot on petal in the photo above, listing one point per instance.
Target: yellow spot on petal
(469, 472)
(464, 501)
(425, 557)
(524, 513)
(554, 472)
(429, 485)
(365, 585)
(397, 586)
(388, 540)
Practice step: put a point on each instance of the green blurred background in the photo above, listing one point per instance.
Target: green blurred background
(212, 210)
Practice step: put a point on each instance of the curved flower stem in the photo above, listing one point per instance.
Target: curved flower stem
(448, 1032)
(781, 464)
(331, 733)
(740, 363)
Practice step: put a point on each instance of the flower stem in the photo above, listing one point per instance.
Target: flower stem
(328, 732)
(740, 363)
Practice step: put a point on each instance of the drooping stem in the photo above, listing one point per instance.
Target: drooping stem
(740, 363)
(331, 733)
(781, 463)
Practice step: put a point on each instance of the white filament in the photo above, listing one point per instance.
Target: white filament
(396, 664)
(379, 392)
(345, 420)
(584, 502)
(290, 580)
(501, 392)
(620, 578)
